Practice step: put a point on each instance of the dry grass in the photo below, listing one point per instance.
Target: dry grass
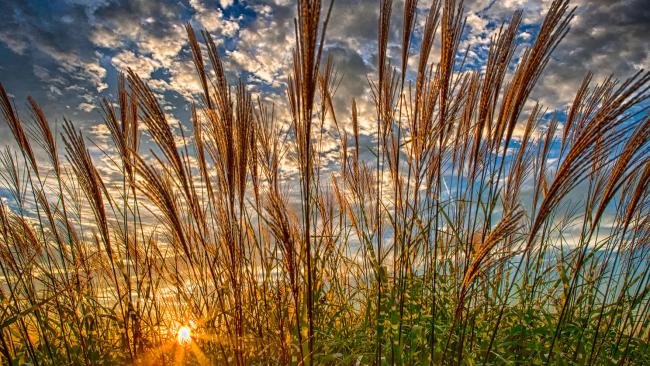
(450, 245)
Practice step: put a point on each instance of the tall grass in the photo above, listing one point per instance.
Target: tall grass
(474, 228)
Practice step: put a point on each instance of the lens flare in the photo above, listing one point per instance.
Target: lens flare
(184, 336)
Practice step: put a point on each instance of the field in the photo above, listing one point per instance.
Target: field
(472, 226)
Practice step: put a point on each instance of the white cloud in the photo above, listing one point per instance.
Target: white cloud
(104, 37)
(86, 107)
(141, 65)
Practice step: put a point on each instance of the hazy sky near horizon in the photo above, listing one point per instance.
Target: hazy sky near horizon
(67, 53)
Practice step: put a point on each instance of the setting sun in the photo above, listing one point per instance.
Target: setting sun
(184, 335)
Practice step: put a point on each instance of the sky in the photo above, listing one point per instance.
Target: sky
(67, 54)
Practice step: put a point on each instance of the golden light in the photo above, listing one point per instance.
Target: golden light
(184, 336)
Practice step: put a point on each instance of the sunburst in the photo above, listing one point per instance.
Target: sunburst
(184, 335)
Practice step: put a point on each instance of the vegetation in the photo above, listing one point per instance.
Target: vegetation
(451, 243)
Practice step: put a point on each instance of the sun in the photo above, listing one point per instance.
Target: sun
(184, 335)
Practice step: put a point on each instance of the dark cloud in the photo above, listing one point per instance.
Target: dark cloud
(355, 21)
(47, 48)
(607, 38)
(121, 20)
(352, 71)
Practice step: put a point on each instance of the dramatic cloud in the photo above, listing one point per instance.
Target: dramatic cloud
(68, 53)
(606, 38)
